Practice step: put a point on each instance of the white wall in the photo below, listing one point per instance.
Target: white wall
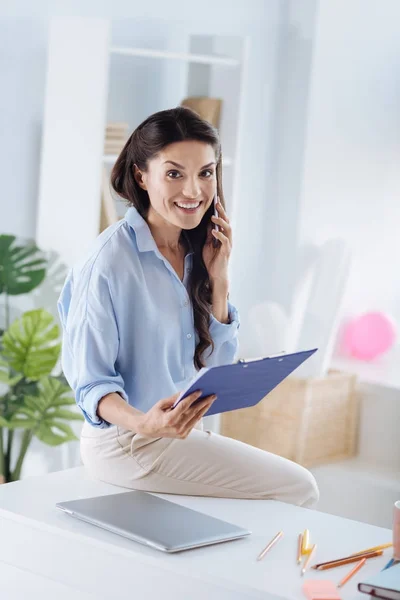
(351, 183)
(23, 55)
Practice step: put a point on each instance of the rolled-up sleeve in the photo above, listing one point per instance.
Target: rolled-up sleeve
(90, 343)
(225, 338)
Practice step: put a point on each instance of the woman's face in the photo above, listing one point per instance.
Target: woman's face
(181, 182)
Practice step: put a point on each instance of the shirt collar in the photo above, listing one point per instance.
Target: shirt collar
(144, 238)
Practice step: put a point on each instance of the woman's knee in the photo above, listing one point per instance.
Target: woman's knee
(308, 493)
(291, 483)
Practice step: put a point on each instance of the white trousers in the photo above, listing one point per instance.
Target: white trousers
(204, 464)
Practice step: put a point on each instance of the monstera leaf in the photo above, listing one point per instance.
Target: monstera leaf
(22, 268)
(46, 414)
(30, 344)
(5, 376)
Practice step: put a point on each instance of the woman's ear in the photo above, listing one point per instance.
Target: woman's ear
(138, 175)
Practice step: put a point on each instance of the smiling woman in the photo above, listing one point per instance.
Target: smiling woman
(148, 308)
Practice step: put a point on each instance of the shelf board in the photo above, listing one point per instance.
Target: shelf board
(111, 158)
(206, 59)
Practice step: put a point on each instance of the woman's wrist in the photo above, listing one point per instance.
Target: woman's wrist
(220, 285)
(220, 293)
(115, 410)
(136, 420)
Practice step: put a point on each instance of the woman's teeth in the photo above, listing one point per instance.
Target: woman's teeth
(187, 206)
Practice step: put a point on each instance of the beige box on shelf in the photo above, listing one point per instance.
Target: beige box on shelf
(310, 421)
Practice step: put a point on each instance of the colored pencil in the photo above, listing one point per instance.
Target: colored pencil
(389, 564)
(305, 542)
(345, 561)
(299, 546)
(381, 547)
(269, 546)
(353, 571)
(311, 554)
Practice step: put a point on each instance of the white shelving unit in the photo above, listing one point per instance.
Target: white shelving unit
(80, 83)
(188, 57)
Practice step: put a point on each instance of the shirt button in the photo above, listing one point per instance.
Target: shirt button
(185, 303)
(189, 335)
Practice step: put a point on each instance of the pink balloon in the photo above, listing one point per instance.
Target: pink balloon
(369, 335)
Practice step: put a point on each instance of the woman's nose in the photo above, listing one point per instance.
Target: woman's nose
(191, 189)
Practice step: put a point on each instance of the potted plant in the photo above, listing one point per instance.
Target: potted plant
(32, 398)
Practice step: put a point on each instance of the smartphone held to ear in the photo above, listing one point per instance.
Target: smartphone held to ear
(215, 226)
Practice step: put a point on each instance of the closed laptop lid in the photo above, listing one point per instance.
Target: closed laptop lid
(153, 521)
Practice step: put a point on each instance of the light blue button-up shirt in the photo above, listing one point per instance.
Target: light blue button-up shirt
(128, 322)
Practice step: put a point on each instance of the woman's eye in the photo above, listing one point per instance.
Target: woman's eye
(207, 173)
(173, 174)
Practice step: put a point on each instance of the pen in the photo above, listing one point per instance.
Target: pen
(353, 571)
(345, 561)
(299, 546)
(269, 546)
(381, 547)
(305, 542)
(311, 554)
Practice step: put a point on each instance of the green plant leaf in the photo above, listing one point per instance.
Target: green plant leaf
(22, 423)
(3, 422)
(4, 371)
(44, 413)
(30, 344)
(59, 413)
(65, 402)
(47, 434)
(22, 268)
(5, 374)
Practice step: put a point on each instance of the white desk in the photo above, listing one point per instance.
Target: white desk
(18, 584)
(47, 548)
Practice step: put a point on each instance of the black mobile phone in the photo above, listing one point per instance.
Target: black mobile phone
(215, 226)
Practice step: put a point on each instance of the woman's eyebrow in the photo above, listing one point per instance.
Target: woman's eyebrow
(182, 167)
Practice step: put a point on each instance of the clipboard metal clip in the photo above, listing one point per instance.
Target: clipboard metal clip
(250, 360)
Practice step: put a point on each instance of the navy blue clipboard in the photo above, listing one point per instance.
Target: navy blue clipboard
(244, 383)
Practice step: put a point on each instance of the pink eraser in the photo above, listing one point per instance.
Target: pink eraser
(320, 590)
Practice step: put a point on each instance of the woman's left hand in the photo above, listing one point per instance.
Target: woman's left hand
(216, 259)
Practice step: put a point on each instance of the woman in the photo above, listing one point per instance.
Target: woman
(146, 309)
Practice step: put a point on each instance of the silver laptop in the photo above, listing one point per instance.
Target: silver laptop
(152, 521)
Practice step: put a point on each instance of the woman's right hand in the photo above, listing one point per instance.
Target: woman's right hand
(161, 421)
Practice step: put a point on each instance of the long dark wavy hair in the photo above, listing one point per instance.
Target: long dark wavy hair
(150, 137)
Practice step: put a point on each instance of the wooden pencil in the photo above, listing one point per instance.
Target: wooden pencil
(299, 546)
(269, 546)
(309, 557)
(305, 542)
(345, 561)
(353, 571)
(381, 547)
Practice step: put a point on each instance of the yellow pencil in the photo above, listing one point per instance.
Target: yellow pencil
(309, 557)
(381, 547)
(299, 546)
(305, 542)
